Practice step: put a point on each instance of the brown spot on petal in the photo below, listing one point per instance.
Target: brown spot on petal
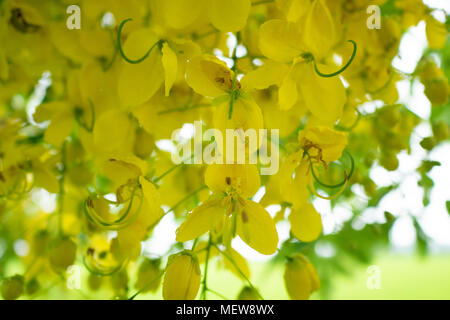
(244, 217)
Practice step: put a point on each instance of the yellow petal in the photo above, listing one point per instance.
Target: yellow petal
(271, 73)
(319, 33)
(239, 265)
(209, 76)
(306, 223)
(151, 195)
(44, 178)
(324, 97)
(256, 228)
(112, 131)
(246, 115)
(139, 82)
(295, 189)
(130, 242)
(288, 94)
(298, 10)
(243, 177)
(180, 14)
(436, 33)
(182, 278)
(170, 63)
(201, 220)
(279, 40)
(229, 15)
(59, 129)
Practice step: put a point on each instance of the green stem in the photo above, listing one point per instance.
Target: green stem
(61, 188)
(239, 270)
(108, 66)
(146, 286)
(233, 83)
(205, 275)
(177, 204)
(217, 294)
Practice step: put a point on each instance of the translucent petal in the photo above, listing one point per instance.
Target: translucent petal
(201, 220)
(279, 40)
(319, 34)
(324, 97)
(271, 73)
(240, 265)
(256, 228)
(306, 223)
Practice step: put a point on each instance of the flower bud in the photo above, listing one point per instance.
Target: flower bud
(62, 254)
(437, 91)
(389, 161)
(428, 143)
(300, 278)
(248, 293)
(12, 288)
(182, 278)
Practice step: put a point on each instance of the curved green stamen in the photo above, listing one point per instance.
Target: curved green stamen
(330, 75)
(122, 53)
(346, 178)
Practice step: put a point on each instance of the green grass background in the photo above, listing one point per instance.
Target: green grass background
(402, 277)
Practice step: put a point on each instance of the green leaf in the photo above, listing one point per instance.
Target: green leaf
(447, 204)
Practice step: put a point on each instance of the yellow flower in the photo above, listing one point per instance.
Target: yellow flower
(323, 143)
(230, 212)
(209, 76)
(300, 278)
(281, 41)
(182, 277)
(319, 146)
